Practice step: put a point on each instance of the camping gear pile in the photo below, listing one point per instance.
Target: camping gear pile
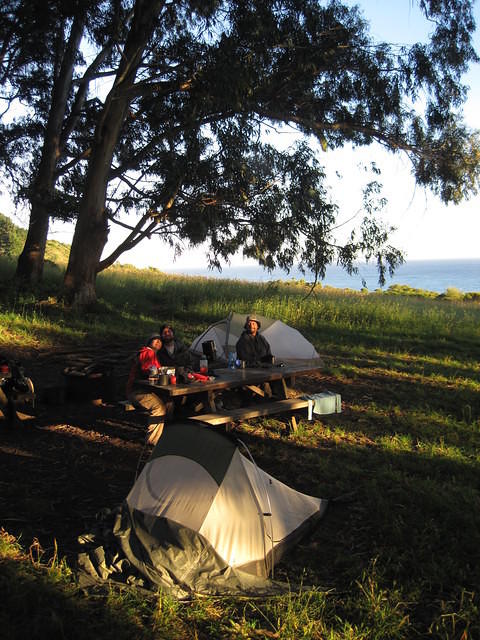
(16, 390)
(89, 381)
(203, 518)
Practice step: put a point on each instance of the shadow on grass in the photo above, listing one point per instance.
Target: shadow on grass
(60, 470)
(406, 363)
(383, 382)
(342, 340)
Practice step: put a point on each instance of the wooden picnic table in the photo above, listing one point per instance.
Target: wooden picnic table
(258, 380)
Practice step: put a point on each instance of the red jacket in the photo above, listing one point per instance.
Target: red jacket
(144, 360)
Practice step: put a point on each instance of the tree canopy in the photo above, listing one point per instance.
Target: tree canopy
(160, 108)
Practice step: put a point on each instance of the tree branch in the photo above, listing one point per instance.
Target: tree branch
(138, 233)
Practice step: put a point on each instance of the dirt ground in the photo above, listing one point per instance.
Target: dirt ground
(67, 463)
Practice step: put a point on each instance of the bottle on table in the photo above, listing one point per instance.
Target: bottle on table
(153, 374)
(232, 356)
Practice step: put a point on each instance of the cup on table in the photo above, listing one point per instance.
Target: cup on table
(173, 379)
(203, 367)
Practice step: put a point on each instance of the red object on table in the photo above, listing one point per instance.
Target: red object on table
(173, 379)
(200, 377)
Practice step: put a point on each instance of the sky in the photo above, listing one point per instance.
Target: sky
(426, 228)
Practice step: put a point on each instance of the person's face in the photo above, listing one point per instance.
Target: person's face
(167, 335)
(156, 344)
(252, 327)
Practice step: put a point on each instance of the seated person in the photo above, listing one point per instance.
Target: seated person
(141, 397)
(252, 346)
(173, 352)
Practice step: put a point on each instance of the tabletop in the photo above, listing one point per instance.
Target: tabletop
(234, 378)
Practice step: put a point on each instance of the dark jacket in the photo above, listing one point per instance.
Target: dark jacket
(181, 356)
(252, 348)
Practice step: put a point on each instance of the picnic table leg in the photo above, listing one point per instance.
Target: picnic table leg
(169, 408)
(256, 390)
(268, 389)
(280, 388)
(211, 401)
(206, 401)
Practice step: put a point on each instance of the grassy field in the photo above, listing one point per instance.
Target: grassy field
(397, 556)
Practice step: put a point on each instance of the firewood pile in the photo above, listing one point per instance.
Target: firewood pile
(94, 372)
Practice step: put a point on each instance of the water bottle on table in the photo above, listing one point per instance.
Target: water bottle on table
(232, 356)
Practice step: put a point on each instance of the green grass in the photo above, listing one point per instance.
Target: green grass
(398, 553)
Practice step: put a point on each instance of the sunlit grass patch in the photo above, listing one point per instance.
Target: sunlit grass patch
(295, 615)
(10, 546)
(397, 442)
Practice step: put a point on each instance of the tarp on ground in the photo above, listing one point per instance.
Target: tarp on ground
(203, 518)
(286, 343)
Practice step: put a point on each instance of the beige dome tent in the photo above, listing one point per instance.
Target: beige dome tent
(285, 342)
(202, 517)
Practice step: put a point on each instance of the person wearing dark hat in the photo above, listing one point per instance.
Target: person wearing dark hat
(173, 352)
(145, 360)
(252, 347)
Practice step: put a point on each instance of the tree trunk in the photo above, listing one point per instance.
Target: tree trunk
(91, 234)
(31, 260)
(91, 230)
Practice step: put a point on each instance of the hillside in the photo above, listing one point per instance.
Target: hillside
(12, 239)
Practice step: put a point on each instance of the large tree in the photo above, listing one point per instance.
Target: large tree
(44, 78)
(179, 137)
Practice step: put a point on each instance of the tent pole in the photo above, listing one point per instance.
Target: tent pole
(227, 334)
(264, 515)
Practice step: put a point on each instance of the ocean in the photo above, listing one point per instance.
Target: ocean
(430, 275)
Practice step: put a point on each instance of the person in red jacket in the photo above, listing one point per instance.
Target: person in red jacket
(145, 360)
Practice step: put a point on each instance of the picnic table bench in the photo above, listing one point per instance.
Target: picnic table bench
(244, 413)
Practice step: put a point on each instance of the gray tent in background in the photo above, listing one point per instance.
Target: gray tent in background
(285, 342)
(203, 518)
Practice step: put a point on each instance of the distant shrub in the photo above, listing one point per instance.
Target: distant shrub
(474, 296)
(406, 290)
(452, 293)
